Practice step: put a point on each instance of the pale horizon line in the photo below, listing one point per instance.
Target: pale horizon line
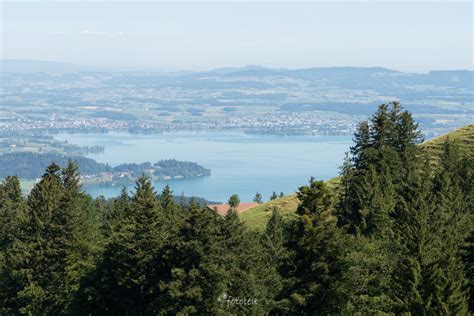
(150, 68)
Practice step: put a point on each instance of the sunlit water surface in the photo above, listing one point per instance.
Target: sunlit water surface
(240, 163)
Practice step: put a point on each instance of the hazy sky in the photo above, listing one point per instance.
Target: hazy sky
(198, 35)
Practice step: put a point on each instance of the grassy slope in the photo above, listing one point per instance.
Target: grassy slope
(257, 217)
(463, 136)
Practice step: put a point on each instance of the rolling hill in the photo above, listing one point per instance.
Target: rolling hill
(256, 218)
(464, 138)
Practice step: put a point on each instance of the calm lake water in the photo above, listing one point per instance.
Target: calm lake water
(240, 163)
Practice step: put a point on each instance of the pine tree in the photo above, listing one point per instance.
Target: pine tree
(316, 247)
(365, 286)
(80, 236)
(407, 137)
(274, 196)
(384, 154)
(242, 262)
(234, 201)
(275, 254)
(170, 209)
(53, 251)
(376, 202)
(44, 258)
(12, 208)
(388, 195)
(407, 133)
(414, 246)
(315, 198)
(362, 143)
(257, 198)
(345, 210)
(115, 212)
(466, 177)
(447, 281)
(126, 279)
(432, 225)
(194, 276)
(381, 129)
(273, 237)
(148, 236)
(468, 260)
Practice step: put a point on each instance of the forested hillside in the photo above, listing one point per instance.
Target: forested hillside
(257, 217)
(395, 236)
(28, 165)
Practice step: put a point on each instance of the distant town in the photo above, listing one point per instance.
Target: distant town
(254, 99)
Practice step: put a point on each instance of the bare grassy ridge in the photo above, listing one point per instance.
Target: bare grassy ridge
(256, 218)
(463, 137)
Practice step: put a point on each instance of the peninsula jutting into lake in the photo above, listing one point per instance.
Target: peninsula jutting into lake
(27, 165)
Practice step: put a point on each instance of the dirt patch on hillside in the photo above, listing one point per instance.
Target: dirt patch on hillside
(222, 209)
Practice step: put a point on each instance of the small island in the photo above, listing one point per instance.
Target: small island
(31, 166)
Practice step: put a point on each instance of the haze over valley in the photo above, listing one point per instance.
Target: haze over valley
(56, 108)
(254, 99)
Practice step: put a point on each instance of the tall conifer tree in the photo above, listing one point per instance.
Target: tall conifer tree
(316, 247)
(12, 208)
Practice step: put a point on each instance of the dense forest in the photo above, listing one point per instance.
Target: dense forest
(28, 165)
(394, 237)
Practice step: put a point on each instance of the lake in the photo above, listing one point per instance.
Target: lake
(240, 163)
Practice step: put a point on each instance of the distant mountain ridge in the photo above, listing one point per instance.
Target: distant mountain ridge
(405, 85)
(377, 78)
(32, 66)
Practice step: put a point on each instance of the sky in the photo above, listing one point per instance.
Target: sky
(194, 35)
